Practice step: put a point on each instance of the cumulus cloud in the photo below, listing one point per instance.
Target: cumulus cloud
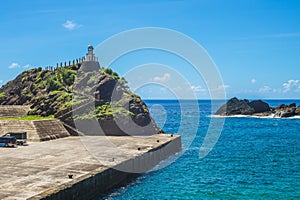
(253, 81)
(13, 65)
(265, 89)
(291, 85)
(198, 88)
(219, 89)
(163, 78)
(71, 25)
(1, 81)
(17, 65)
(26, 66)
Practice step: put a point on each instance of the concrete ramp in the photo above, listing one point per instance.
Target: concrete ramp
(37, 130)
(50, 129)
(11, 111)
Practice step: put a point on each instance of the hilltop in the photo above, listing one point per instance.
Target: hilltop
(95, 93)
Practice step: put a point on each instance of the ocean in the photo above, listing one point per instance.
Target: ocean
(254, 158)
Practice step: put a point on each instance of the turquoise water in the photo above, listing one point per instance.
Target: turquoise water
(254, 158)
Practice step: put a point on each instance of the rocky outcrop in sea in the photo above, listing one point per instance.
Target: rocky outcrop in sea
(235, 106)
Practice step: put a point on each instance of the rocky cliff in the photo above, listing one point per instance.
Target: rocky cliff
(99, 94)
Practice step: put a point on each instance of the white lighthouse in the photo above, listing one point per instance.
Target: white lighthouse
(90, 56)
(90, 61)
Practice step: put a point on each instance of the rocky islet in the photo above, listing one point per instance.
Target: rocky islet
(235, 106)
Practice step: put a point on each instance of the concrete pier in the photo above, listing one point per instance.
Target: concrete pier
(79, 167)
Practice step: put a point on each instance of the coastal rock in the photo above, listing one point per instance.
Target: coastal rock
(280, 106)
(256, 108)
(292, 105)
(259, 106)
(284, 111)
(236, 107)
(297, 111)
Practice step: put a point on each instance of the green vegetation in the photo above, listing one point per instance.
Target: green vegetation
(30, 117)
(64, 97)
(110, 73)
(55, 92)
(24, 79)
(122, 81)
(107, 111)
(50, 92)
(60, 79)
(67, 75)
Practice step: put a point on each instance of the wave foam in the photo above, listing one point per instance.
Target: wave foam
(252, 116)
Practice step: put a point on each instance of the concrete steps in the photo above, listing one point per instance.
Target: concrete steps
(37, 130)
(11, 111)
(50, 129)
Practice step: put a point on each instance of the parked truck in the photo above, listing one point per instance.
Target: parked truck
(20, 136)
(8, 141)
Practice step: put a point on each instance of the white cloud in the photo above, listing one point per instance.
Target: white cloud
(1, 81)
(163, 78)
(198, 88)
(26, 66)
(253, 81)
(219, 89)
(265, 89)
(291, 85)
(14, 65)
(71, 25)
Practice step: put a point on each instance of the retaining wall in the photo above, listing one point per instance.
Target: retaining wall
(37, 130)
(98, 182)
(9, 111)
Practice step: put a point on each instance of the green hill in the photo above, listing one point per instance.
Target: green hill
(97, 94)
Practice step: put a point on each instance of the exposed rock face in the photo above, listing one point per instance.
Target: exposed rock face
(258, 108)
(44, 91)
(56, 92)
(283, 111)
(236, 107)
(297, 111)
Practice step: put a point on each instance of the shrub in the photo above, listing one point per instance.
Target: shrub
(68, 76)
(53, 84)
(108, 71)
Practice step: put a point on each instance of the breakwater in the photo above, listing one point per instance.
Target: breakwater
(80, 167)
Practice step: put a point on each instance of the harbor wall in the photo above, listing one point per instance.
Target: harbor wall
(98, 182)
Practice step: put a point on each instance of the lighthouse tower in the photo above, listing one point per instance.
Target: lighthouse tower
(90, 56)
(90, 61)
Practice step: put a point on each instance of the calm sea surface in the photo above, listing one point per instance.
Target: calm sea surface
(254, 158)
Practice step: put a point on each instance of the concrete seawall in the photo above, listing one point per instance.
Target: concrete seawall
(97, 164)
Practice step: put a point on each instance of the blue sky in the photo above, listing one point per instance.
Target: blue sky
(255, 44)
